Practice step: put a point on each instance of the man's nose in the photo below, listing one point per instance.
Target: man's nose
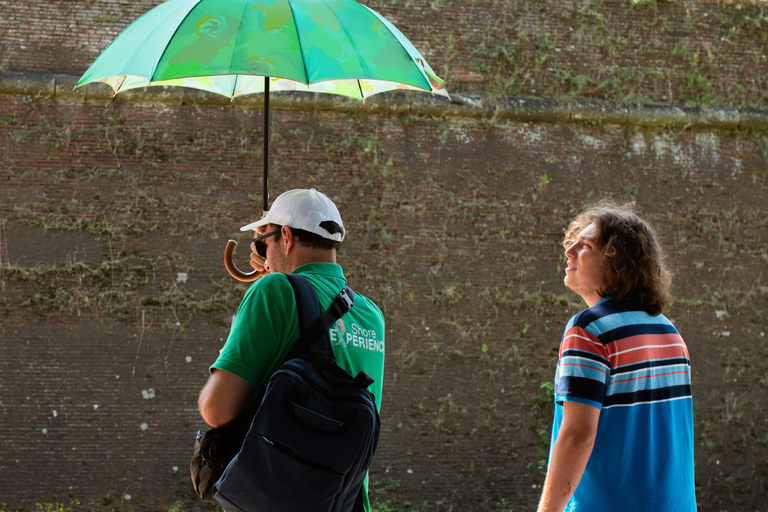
(569, 250)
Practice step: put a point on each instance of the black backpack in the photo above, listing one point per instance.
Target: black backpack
(315, 432)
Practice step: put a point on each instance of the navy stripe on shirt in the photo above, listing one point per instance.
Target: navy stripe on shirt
(658, 363)
(581, 387)
(572, 352)
(648, 395)
(636, 330)
(586, 317)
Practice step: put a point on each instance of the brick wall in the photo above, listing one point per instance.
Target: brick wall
(115, 217)
(114, 300)
(689, 51)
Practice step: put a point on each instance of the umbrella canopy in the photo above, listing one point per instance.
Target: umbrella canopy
(238, 47)
(222, 46)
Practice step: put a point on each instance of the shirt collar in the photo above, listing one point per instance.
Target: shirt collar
(606, 298)
(332, 270)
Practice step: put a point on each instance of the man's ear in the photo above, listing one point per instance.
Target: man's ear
(290, 240)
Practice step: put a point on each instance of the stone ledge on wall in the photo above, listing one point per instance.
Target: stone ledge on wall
(400, 103)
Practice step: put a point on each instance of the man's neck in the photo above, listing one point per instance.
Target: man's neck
(592, 299)
(306, 256)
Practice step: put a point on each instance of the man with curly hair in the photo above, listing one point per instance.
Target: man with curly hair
(622, 437)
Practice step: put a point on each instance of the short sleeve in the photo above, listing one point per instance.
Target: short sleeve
(583, 368)
(256, 345)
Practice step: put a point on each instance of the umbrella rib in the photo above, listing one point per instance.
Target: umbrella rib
(301, 46)
(234, 49)
(148, 78)
(117, 89)
(349, 39)
(175, 31)
(421, 71)
(362, 96)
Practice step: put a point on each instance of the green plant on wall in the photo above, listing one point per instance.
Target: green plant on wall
(629, 51)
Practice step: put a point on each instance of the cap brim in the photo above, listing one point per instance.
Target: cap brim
(254, 225)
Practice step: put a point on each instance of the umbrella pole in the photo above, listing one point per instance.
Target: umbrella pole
(266, 142)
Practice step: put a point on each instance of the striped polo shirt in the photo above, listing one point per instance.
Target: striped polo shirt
(635, 368)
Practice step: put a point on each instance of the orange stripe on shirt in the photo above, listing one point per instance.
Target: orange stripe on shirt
(651, 352)
(578, 339)
(641, 340)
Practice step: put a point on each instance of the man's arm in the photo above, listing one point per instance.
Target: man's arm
(223, 398)
(569, 455)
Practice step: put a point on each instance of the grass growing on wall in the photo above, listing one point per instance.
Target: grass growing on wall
(627, 51)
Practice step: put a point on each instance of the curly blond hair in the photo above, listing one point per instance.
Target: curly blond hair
(632, 259)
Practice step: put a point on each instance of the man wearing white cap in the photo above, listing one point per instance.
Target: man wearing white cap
(301, 233)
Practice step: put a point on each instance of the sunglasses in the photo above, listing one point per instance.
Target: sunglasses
(261, 247)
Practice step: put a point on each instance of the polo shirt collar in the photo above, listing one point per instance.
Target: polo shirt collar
(332, 270)
(608, 297)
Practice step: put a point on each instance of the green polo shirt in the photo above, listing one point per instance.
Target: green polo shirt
(267, 325)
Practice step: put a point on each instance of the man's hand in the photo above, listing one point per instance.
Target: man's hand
(569, 455)
(258, 263)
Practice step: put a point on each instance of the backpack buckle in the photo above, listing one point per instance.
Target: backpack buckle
(345, 300)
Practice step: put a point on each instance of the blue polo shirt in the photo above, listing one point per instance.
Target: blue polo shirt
(635, 368)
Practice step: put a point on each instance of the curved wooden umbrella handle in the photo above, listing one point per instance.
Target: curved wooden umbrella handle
(235, 272)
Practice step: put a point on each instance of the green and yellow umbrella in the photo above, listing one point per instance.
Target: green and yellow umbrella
(238, 47)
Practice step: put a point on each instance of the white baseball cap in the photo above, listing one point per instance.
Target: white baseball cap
(302, 209)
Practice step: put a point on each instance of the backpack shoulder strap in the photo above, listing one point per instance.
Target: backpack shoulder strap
(307, 304)
(314, 326)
